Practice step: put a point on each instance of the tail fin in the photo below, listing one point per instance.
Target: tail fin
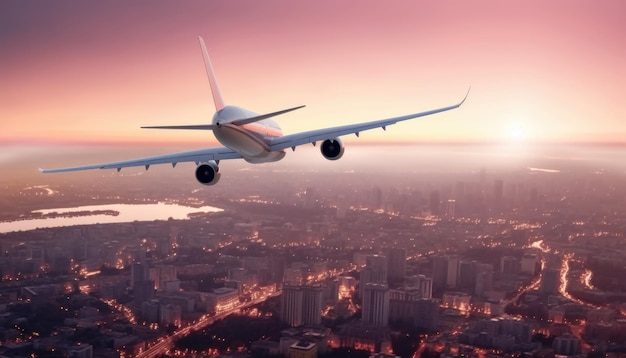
(215, 91)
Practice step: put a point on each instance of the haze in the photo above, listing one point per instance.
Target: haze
(94, 72)
(507, 213)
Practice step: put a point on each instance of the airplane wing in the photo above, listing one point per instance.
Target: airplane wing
(294, 140)
(201, 155)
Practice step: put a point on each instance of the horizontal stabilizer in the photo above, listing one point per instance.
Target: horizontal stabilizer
(240, 122)
(206, 127)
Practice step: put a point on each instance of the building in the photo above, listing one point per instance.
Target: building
(499, 333)
(484, 279)
(303, 349)
(143, 291)
(170, 314)
(359, 336)
(222, 299)
(150, 311)
(81, 351)
(293, 275)
(440, 272)
(550, 281)
(425, 286)
(379, 266)
(528, 264)
(375, 271)
(376, 305)
(162, 274)
(302, 304)
(601, 315)
(312, 301)
(139, 272)
(457, 300)
(434, 203)
(265, 347)
(567, 345)
(450, 209)
(509, 265)
(347, 286)
(467, 274)
(420, 283)
(396, 264)
(402, 305)
(452, 278)
(426, 314)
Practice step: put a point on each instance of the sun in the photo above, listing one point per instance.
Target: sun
(516, 132)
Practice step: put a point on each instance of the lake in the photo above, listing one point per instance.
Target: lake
(127, 213)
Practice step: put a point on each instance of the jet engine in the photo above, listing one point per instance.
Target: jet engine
(208, 173)
(332, 149)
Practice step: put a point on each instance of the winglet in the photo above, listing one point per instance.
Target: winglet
(467, 94)
(215, 91)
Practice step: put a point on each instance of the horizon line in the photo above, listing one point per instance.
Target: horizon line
(107, 143)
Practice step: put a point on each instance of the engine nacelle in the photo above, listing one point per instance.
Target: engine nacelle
(208, 173)
(332, 149)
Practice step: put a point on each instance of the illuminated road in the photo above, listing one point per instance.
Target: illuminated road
(533, 285)
(563, 276)
(585, 279)
(166, 343)
(541, 246)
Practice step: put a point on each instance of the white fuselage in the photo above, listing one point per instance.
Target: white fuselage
(251, 140)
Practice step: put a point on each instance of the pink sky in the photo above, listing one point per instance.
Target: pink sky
(540, 71)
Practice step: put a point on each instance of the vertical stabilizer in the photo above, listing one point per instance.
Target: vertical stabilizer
(215, 91)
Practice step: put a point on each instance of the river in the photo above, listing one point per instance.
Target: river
(127, 213)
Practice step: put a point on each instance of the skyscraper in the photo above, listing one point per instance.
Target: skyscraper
(425, 286)
(402, 305)
(450, 209)
(452, 278)
(484, 280)
(312, 299)
(509, 264)
(426, 314)
(550, 281)
(375, 271)
(140, 271)
(421, 284)
(440, 272)
(376, 305)
(528, 264)
(291, 304)
(301, 304)
(379, 265)
(467, 274)
(396, 264)
(566, 345)
(434, 203)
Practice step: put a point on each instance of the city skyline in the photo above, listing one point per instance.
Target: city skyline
(93, 73)
(430, 258)
(494, 229)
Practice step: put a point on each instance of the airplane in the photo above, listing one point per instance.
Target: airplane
(249, 136)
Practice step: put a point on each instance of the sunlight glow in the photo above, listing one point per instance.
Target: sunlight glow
(516, 132)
